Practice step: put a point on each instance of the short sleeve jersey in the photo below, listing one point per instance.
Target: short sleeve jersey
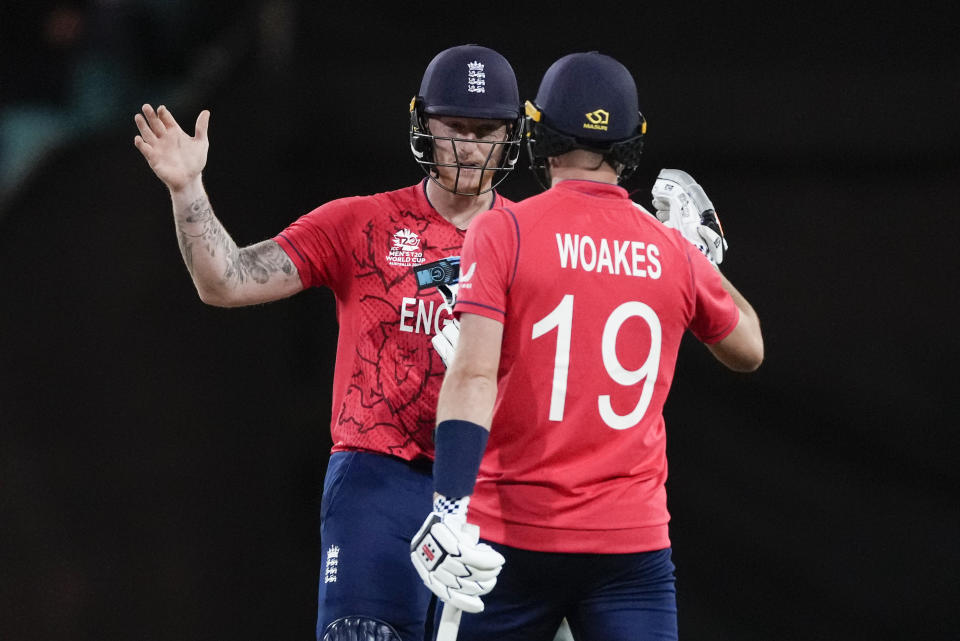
(595, 295)
(387, 374)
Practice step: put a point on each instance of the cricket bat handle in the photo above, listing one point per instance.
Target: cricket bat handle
(449, 623)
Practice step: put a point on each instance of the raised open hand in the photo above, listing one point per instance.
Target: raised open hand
(176, 157)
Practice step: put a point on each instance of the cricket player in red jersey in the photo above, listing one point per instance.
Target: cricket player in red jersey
(572, 305)
(384, 256)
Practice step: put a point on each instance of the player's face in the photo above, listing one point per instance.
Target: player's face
(467, 150)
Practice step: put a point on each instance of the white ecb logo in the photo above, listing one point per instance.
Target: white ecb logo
(476, 78)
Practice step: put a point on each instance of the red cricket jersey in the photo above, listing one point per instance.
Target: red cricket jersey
(387, 374)
(595, 295)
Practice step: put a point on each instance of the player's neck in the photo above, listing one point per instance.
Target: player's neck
(581, 164)
(457, 209)
(596, 175)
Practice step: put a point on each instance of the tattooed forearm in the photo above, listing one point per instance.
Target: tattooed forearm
(199, 211)
(200, 229)
(224, 274)
(258, 263)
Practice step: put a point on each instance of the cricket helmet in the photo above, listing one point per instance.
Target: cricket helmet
(585, 101)
(468, 81)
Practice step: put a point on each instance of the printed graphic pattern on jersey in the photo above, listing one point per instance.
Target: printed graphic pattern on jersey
(387, 375)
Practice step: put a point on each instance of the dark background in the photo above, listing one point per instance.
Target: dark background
(161, 461)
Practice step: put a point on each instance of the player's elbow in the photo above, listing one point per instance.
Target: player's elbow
(750, 355)
(742, 351)
(214, 296)
(747, 362)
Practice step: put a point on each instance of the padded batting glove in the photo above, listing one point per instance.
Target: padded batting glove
(445, 342)
(681, 203)
(449, 558)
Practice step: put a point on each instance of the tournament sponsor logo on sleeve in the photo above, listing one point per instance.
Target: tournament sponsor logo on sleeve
(467, 276)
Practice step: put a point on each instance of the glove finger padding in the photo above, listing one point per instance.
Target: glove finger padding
(682, 204)
(666, 203)
(445, 343)
(712, 234)
(699, 197)
(662, 205)
(672, 200)
(452, 563)
(483, 560)
(460, 542)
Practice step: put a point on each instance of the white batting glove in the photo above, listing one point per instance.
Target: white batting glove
(681, 203)
(449, 558)
(445, 342)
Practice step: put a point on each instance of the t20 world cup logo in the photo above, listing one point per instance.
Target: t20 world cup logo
(405, 251)
(405, 240)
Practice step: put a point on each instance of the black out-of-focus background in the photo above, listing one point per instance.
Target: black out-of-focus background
(161, 460)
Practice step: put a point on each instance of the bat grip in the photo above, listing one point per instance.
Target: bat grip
(449, 623)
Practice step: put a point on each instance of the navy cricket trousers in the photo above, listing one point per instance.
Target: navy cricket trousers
(372, 507)
(605, 597)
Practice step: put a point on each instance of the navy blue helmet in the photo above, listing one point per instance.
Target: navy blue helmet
(468, 81)
(586, 101)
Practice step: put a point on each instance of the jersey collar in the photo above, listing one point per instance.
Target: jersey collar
(592, 188)
(496, 201)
